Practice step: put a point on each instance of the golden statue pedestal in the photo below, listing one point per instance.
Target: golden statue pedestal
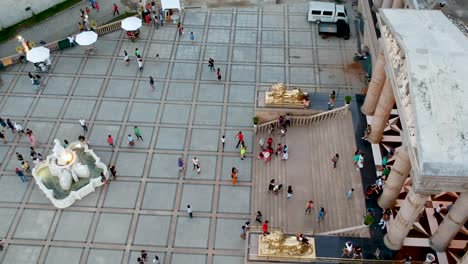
(280, 96)
(281, 246)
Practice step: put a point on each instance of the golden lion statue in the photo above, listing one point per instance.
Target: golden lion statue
(276, 243)
(281, 95)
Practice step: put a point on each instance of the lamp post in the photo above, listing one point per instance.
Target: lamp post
(23, 43)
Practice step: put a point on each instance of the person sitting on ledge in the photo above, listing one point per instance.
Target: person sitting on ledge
(367, 131)
(301, 238)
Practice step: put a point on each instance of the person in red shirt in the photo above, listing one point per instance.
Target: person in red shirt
(240, 138)
(110, 140)
(265, 228)
(116, 9)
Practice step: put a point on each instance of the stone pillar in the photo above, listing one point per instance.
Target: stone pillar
(399, 227)
(455, 219)
(387, 4)
(396, 179)
(398, 4)
(382, 113)
(375, 85)
(378, 3)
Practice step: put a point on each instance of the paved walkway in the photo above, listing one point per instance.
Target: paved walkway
(186, 115)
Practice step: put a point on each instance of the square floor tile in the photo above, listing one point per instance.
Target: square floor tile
(159, 196)
(197, 32)
(242, 73)
(145, 91)
(164, 166)
(226, 228)
(119, 88)
(188, 52)
(73, 226)
(99, 134)
(272, 55)
(38, 197)
(272, 74)
(165, 33)
(207, 165)
(296, 22)
(105, 47)
(171, 138)
(111, 111)
(164, 50)
(48, 107)
(220, 259)
(330, 56)
(184, 71)
(7, 215)
(143, 112)
(179, 258)
(122, 69)
(241, 94)
(156, 69)
(231, 140)
(58, 85)
(210, 92)
(34, 224)
(16, 106)
(192, 232)
(194, 18)
(234, 199)
(180, 91)
(105, 256)
(88, 87)
(96, 66)
(301, 56)
(220, 20)
(79, 108)
(242, 36)
(152, 230)
(3, 151)
(107, 226)
(22, 85)
(176, 114)
(204, 139)
(219, 35)
(332, 76)
(63, 255)
(105, 156)
(239, 116)
(272, 37)
(146, 134)
(244, 54)
(243, 166)
(301, 75)
(131, 164)
(300, 38)
(217, 53)
(198, 196)
(67, 65)
(122, 194)
(272, 21)
(22, 254)
(246, 20)
(208, 115)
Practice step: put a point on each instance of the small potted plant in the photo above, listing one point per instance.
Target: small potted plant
(255, 121)
(368, 220)
(347, 99)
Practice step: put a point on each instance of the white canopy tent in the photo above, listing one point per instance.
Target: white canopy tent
(170, 4)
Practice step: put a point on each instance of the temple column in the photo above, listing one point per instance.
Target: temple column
(378, 3)
(382, 113)
(399, 227)
(396, 179)
(375, 85)
(387, 4)
(398, 4)
(455, 219)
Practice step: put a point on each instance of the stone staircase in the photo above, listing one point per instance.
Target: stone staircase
(312, 142)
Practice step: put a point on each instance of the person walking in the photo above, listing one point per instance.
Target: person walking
(87, 10)
(349, 194)
(198, 168)
(223, 141)
(195, 163)
(218, 73)
(259, 217)
(190, 211)
(180, 28)
(18, 128)
(265, 228)
(137, 132)
(240, 138)
(140, 63)
(26, 166)
(180, 164)
(309, 207)
(192, 37)
(242, 151)
(3, 136)
(243, 232)
(113, 171)
(234, 172)
(116, 10)
(272, 185)
(83, 124)
(3, 123)
(290, 192)
(211, 64)
(321, 214)
(152, 82)
(11, 126)
(96, 6)
(110, 140)
(331, 102)
(335, 160)
(288, 119)
(21, 175)
(126, 59)
(31, 137)
(156, 260)
(19, 157)
(137, 52)
(131, 142)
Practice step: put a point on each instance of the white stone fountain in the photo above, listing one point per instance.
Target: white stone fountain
(69, 173)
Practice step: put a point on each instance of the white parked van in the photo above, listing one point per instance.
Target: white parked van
(326, 12)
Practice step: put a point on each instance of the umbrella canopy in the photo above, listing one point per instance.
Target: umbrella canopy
(131, 23)
(86, 38)
(38, 54)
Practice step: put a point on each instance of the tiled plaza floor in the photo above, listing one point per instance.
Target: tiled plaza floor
(185, 116)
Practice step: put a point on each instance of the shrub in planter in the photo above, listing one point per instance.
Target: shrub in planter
(368, 220)
(347, 99)
(255, 120)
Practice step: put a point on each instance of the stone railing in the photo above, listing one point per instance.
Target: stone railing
(306, 120)
(108, 28)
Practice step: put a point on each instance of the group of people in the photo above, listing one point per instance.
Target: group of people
(352, 251)
(16, 128)
(144, 257)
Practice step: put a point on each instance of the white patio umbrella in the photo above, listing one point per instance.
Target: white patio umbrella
(86, 38)
(131, 23)
(38, 54)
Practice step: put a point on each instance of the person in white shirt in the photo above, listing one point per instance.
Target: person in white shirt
(83, 124)
(19, 128)
(189, 211)
(195, 162)
(156, 260)
(71, 39)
